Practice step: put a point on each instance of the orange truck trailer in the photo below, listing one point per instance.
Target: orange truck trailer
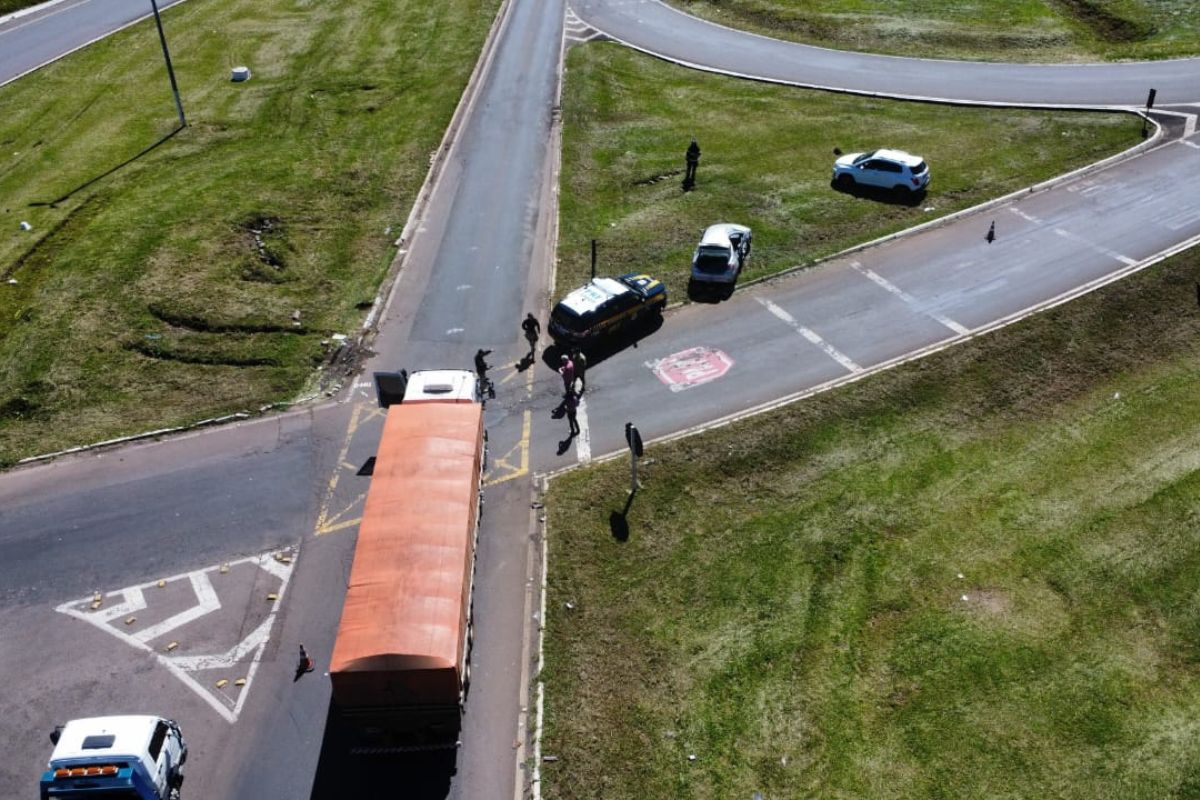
(400, 660)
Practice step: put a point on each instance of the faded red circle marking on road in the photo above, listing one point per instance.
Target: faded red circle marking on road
(692, 367)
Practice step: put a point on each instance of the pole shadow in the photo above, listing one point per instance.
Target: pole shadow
(103, 175)
(618, 521)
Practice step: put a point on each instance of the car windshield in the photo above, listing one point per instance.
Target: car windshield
(864, 157)
(712, 259)
(569, 320)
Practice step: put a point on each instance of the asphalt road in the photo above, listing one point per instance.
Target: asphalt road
(659, 29)
(480, 257)
(33, 38)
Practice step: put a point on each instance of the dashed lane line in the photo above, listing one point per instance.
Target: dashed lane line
(1023, 215)
(909, 300)
(1126, 260)
(583, 442)
(812, 336)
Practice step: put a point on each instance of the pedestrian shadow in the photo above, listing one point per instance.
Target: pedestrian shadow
(104, 175)
(527, 361)
(565, 445)
(426, 774)
(605, 347)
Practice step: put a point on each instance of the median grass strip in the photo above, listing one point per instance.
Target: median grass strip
(1000, 30)
(9, 6)
(767, 154)
(168, 278)
(971, 576)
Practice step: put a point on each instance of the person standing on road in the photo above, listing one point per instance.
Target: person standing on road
(567, 370)
(571, 402)
(533, 329)
(580, 361)
(481, 369)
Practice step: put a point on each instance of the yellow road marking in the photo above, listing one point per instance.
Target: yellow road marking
(514, 373)
(521, 447)
(356, 419)
(339, 526)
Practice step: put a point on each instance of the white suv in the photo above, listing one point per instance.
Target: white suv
(885, 169)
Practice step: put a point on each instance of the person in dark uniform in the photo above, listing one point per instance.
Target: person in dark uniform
(533, 329)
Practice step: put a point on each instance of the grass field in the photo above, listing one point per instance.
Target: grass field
(998, 30)
(971, 576)
(766, 160)
(9, 6)
(167, 280)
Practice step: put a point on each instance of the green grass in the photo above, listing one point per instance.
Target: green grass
(766, 160)
(998, 30)
(971, 576)
(8, 6)
(165, 291)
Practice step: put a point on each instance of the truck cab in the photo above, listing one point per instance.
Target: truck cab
(115, 758)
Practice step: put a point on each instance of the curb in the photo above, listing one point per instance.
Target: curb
(437, 163)
(88, 43)
(1050, 183)
(24, 12)
(382, 298)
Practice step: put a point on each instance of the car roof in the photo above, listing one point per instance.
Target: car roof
(590, 297)
(899, 156)
(716, 236)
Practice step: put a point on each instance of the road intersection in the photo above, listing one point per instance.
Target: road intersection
(479, 255)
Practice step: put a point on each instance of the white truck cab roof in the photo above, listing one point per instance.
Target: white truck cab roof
(442, 385)
(105, 739)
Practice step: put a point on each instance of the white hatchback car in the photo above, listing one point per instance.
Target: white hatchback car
(721, 254)
(884, 169)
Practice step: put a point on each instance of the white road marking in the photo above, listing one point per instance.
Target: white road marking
(1126, 260)
(1182, 219)
(812, 336)
(1191, 144)
(911, 301)
(207, 603)
(133, 599)
(1024, 216)
(583, 442)
(453, 331)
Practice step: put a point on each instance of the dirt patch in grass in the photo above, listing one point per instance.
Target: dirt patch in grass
(787, 614)
(1105, 24)
(206, 274)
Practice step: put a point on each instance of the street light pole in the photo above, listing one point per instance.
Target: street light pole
(162, 37)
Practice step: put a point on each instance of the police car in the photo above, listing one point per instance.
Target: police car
(605, 306)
